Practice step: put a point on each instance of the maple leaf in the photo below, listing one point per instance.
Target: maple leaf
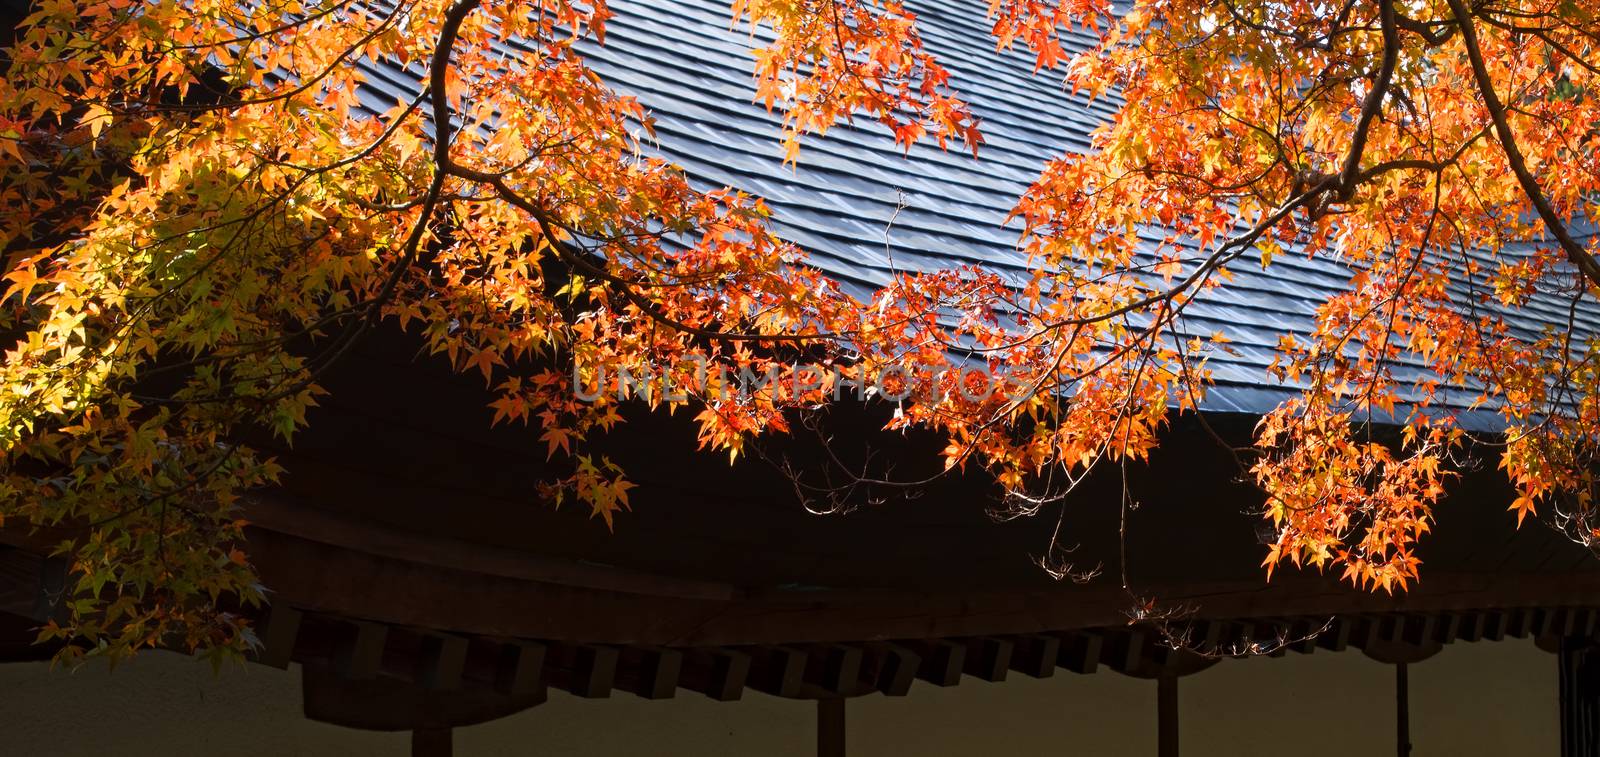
(515, 217)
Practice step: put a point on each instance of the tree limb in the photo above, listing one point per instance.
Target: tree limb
(1508, 142)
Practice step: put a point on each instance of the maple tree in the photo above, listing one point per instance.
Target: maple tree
(201, 218)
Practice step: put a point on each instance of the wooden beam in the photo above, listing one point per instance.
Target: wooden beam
(1162, 661)
(1395, 652)
(372, 586)
(267, 510)
(431, 742)
(389, 703)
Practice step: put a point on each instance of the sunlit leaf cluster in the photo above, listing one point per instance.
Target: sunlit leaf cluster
(206, 209)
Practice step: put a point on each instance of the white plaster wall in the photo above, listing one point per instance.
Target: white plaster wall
(1471, 699)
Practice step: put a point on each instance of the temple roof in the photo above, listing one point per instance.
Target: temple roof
(863, 207)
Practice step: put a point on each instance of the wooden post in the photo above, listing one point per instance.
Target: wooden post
(830, 727)
(430, 742)
(1402, 710)
(1579, 681)
(1167, 716)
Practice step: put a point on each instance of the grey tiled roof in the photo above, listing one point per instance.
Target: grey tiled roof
(691, 68)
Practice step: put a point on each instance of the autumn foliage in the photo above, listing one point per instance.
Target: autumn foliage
(201, 217)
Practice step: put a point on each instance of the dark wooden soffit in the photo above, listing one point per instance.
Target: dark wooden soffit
(350, 567)
(356, 570)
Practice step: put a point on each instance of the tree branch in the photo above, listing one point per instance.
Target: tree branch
(1508, 142)
(1350, 176)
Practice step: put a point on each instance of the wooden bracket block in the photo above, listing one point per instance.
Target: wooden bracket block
(1337, 637)
(441, 661)
(942, 662)
(431, 742)
(593, 670)
(1418, 630)
(519, 670)
(1035, 655)
(1496, 624)
(1520, 624)
(358, 654)
(891, 667)
(278, 636)
(988, 658)
(1125, 650)
(718, 673)
(1080, 652)
(658, 669)
(834, 668)
(779, 671)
